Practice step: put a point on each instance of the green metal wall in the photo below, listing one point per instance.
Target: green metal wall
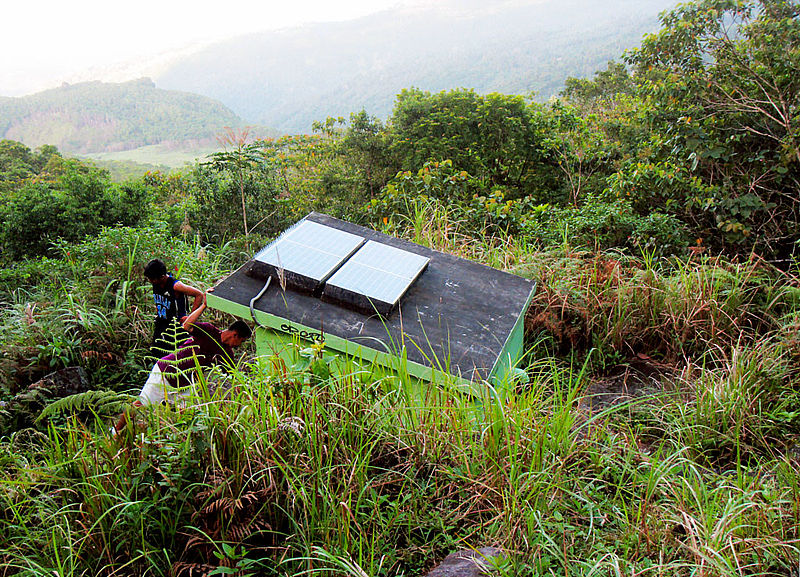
(276, 337)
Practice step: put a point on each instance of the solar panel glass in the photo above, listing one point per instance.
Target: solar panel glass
(378, 272)
(310, 251)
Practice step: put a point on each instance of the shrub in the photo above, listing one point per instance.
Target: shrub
(602, 224)
(78, 203)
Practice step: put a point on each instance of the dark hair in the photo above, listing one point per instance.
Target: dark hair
(240, 328)
(155, 269)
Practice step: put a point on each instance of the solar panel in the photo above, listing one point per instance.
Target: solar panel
(305, 255)
(374, 278)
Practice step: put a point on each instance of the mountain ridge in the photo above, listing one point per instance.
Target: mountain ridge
(289, 78)
(99, 116)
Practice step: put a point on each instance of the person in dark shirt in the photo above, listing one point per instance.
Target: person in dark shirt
(170, 296)
(172, 377)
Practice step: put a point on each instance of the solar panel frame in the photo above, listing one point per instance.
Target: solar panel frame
(305, 256)
(375, 278)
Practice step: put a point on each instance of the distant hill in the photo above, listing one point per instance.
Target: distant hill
(104, 117)
(287, 79)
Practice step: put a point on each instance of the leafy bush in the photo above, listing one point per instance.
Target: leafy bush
(218, 197)
(501, 140)
(600, 224)
(79, 202)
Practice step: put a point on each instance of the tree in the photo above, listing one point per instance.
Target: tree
(601, 93)
(498, 139)
(365, 141)
(581, 147)
(721, 81)
(238, 157)
(18, 163)
(78, 200)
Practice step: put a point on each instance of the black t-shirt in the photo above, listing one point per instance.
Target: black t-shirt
(169, 305)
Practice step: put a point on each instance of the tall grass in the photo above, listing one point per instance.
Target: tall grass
(676, 309)
(346, 477)
(281, 470)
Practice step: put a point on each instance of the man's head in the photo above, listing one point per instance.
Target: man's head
(156, 272)
(236, 334)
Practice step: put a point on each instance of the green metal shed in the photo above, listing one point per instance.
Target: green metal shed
(377, 298)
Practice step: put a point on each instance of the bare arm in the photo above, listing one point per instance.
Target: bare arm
(194, 315)
(199, 296)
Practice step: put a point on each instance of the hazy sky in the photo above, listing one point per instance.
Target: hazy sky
(46, 42)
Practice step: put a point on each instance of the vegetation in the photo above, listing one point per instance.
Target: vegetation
(721, 91)
(99, 117)
(691, 471)
(50, 198)
(125, 170)
(656, 429)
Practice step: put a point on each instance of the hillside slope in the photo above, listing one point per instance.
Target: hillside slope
(287, 79)
(105, 117)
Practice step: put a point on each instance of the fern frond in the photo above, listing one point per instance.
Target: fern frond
(101, 403)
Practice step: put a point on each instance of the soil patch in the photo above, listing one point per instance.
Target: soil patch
(641, 376)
